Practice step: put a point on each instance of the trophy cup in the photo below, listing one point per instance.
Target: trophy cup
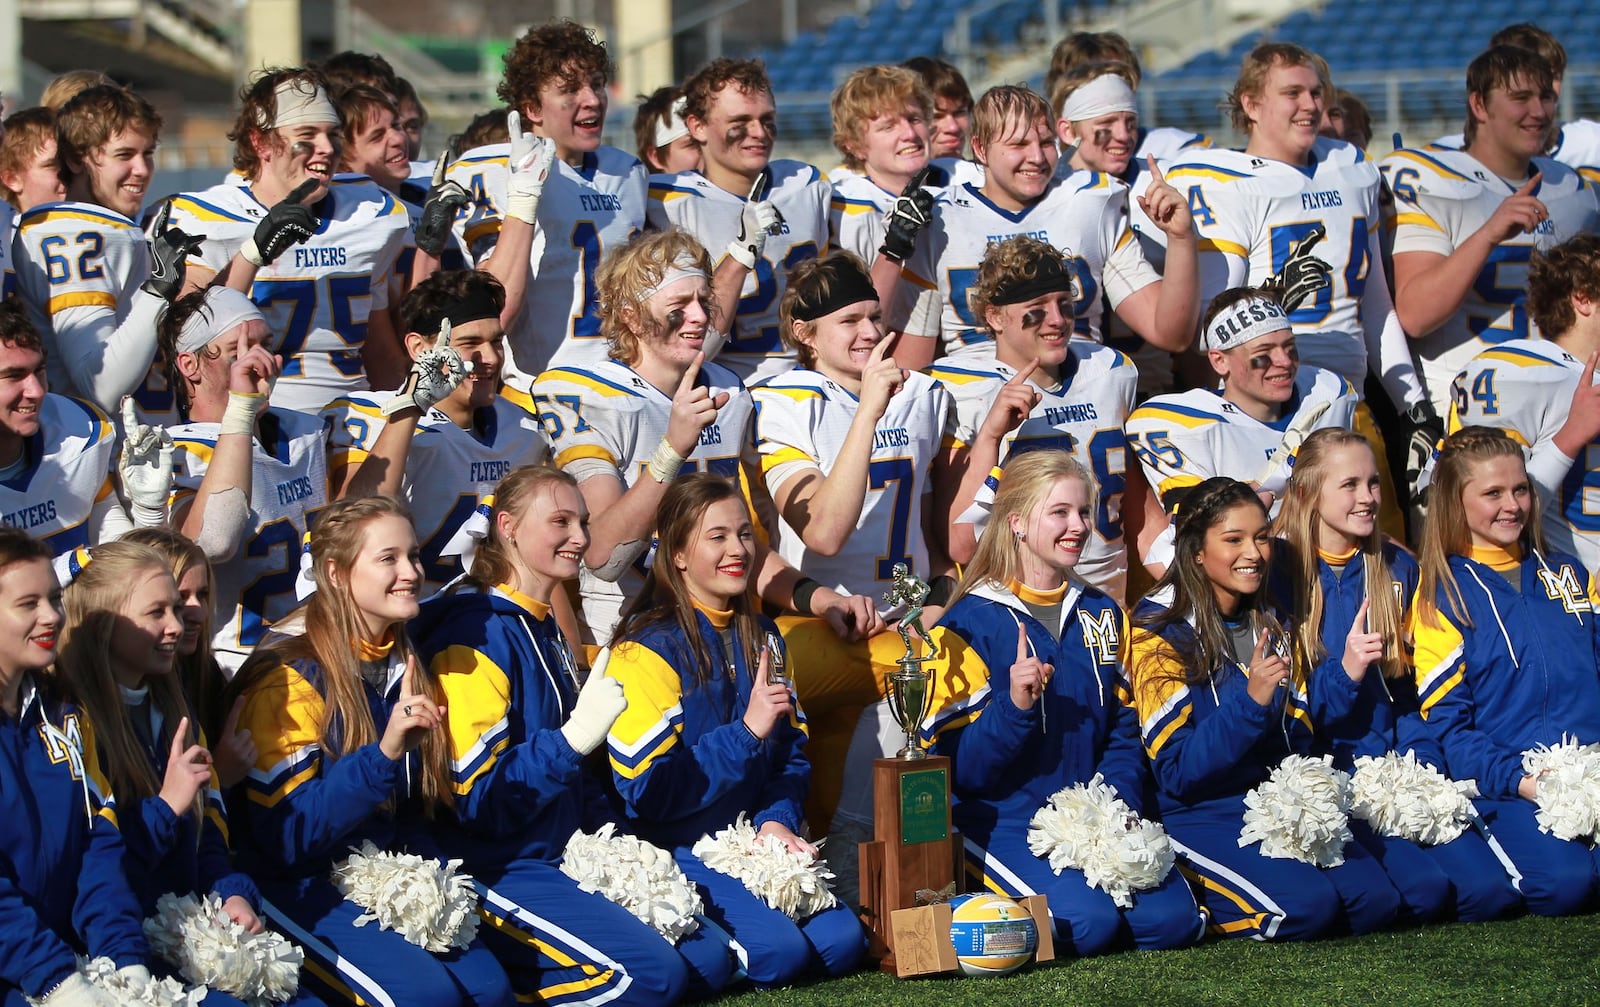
(913, 848)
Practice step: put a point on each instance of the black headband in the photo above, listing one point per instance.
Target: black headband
(849, 285)
(1052, 277)
(474, 306)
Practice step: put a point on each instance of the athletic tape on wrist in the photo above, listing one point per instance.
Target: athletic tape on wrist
(1104, 95)
(665, 463)
(1249, 319)
(240, 416)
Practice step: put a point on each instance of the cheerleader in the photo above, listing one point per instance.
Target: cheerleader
(709, 734)
(1506, 655)
(62, 888)
(1349, 644)
(328, 777)
(519, 730)
(1030, 697)
(1218, 710)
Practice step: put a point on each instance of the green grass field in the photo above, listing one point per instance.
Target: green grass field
(1531, 961)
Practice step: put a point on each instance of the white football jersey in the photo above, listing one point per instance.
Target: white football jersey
(318, 295)
(75, 264)
(1251, 211)
(1084, 214)
(66, 471)
(449, 471)
(1441, 197)
(255, 587)
(1185, 438)
(688, 201)
(1577, 147)
(802, 419)
(1525, 387)
(584, 213)
(1167, 143)
(607, 420)
(855, 215)
(1083, 416)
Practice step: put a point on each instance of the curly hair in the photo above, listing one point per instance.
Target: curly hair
(745, 74)
(563, 51)
(16, 329)
(1017, 258)
(1555, 274)
(629, 272)
(258, 110)
(425, 306)
(868, 93)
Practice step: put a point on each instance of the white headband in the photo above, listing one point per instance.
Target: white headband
(302, 103)
(1105, 94)
(223, 309)
(673, 127)
(1249, 319)
(681, 268)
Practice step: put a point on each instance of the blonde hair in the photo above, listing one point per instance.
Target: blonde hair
(1019, 257)
(1297, 524)
(94, 602)
(1005, 105)
(625, 277)
(1445, 532)
(868, 93)
(201, 679)
(1027, 480)
(492, 565)
(333, 631)
(1258, 62)
(64, 87)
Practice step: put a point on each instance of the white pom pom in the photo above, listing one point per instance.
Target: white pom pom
(138, 992)
(426, 902)
(207, 948)
(1569, 788)
(1090, 828)
(1399, 796)
(1301, 812)
(792, 883)
(641, 878)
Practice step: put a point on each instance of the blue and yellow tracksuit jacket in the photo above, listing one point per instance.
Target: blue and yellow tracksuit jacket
(682, 760)
(506, 670)
(1007, 762)
(62, 886)
(1522, 674)
(1210, 740)
(301, 810)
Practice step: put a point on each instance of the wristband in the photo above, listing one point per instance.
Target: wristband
(941, 590)
(803, 593)
(240, 416)
(742, 255)
(252, 253)
(663, 466)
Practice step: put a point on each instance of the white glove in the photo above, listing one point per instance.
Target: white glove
(599, 705)
(75, 991)
(434, 375)
(145, 467)
(758, 219)
(530, 161)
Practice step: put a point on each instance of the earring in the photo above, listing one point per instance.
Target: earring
(1021, 536)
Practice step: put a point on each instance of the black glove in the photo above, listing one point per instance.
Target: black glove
(910, 212)
(445, 199)
(170, 249)
(288, 223)
(1303, 274)
(1423, 432)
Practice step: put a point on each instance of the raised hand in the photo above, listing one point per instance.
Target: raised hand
(910, 212)
(693, 409)
(433, 376)
(1029, 675)
(1361, 648)
(445, 199)
(1013, 405)
(1267, 672)
(1303, 274)
(599, 704)
(1519, 213)
(235, 752)
(769, 701)
(1165, 205)
(287, 224)
(530, 161)
(188, 771)
(170, 249)
(757, 220)
(145, 465)
(881, 379)
(412, 718)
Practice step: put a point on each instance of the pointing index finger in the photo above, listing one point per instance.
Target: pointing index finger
(1155, 170)
(1363, 615)
(1022, 643)
(300, 192)
(692, 372)
(1531, 184)
(883, 348)
(1024, 372)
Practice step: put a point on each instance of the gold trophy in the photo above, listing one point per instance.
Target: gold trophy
(913, 850)
(909, 690)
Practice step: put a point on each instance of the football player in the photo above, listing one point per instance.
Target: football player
(316, 256)
(582, 199)
(1084, 48)
(951, 127)
(660, 136)
(1084, 213)
(739, 200)
(29, 171)
(439, 448)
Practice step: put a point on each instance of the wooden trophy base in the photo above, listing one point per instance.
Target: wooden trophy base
(914, 846)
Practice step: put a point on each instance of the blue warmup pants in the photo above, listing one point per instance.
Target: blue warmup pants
(383, 969)
(1250, 895)
(1085, 917)
(1558, 877)
(773, 949)
(1459, 880)
(564, 946)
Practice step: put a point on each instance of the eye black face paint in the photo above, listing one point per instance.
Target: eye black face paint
(674, 319)
(1102, 137)
(1033, 319)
